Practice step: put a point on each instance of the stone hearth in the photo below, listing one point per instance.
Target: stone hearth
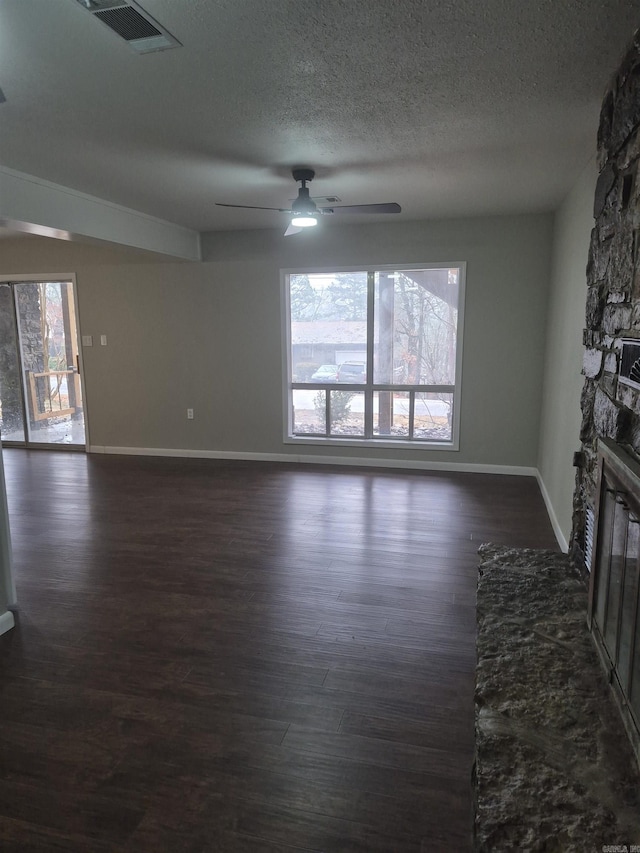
(554, 767)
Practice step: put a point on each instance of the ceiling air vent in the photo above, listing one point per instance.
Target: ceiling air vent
(130, 21)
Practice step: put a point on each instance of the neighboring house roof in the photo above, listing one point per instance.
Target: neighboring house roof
(329, 332)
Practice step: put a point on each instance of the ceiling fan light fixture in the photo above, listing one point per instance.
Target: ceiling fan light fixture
(304, 221)
(304, 211)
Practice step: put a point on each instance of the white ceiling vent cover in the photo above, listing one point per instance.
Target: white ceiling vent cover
(130, 21)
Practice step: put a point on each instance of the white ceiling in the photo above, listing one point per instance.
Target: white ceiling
(465, 108)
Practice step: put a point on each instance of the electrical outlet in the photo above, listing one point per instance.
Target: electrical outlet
(189, 414)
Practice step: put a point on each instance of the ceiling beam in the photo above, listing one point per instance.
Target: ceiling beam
(35, 206)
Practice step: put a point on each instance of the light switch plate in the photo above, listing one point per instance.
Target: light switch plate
(103, 340)
(87, 341)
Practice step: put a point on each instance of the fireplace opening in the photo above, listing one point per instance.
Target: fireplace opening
(614, 615)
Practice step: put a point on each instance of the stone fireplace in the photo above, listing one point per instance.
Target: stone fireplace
(611, 409)
(606, 512)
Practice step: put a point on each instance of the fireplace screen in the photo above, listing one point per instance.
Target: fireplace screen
(614, 616)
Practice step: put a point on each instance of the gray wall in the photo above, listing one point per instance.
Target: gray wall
(208, 335)
(560, 420)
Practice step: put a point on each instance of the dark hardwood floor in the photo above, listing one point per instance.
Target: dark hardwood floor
(215, 656)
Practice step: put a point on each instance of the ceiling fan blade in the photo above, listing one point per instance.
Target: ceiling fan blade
(387, 207)
(292, 229)
(253, 207)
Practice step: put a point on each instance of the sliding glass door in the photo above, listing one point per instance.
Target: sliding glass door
(40, 389)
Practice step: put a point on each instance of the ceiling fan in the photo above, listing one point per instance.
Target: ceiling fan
(305, 212)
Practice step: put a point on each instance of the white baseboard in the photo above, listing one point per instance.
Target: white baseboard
(7, 622)
(313, 459)
(562, 542)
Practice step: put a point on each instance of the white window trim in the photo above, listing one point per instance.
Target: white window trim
(334, 441)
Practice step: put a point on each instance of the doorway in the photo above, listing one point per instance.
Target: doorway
(41, 402)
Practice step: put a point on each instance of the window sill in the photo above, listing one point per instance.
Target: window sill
(321, 441)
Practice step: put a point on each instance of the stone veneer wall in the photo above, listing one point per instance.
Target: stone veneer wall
(10, 393)
(613, 285)
(32, 351)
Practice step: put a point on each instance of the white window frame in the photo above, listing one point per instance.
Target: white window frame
(340, 441)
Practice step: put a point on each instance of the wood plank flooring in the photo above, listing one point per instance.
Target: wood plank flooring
(230, 656)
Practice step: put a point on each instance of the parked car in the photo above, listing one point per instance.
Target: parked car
(326, 373)
(352, 371)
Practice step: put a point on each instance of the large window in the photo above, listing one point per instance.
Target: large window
(374, 355)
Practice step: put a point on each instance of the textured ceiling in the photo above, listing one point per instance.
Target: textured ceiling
(474, 107)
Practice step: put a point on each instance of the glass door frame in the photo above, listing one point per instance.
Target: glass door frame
(39, 278)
